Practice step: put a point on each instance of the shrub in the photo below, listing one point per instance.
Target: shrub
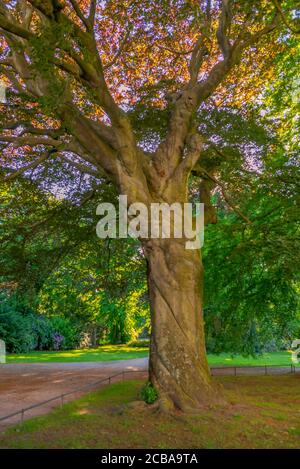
(15, 330)
(57, 340)
(140, 343)
(23, 330)
(42, 332)
(148, 393)
(15, 325)
(65, 335)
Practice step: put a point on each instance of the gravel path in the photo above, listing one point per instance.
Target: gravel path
(24, 384)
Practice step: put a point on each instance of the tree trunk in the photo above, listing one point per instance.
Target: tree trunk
(178, 365)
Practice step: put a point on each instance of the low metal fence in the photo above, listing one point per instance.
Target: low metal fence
(243, 370)
(226, 370)
(63, 396)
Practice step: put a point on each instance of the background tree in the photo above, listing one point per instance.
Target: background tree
(53, 263)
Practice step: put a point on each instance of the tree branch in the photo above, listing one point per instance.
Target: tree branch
(19, 141)
(284, 19)
(224, 27)
(79, 13)
(202, 172)
(83, 168)
(92, 13)
(13, 28)
(23, 169)
(92, 76)
(199, 52)
(119, 52)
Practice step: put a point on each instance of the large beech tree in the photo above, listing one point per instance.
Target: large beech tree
(76, 69)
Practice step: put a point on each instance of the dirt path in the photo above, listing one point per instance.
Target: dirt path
(24, 384)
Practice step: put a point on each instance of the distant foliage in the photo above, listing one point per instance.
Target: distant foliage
(23, 330)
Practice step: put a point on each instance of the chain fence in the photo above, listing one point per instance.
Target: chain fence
(61, 398)
(226, 370)
(244, 370)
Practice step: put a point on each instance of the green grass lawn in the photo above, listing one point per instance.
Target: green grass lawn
(273, 358)
(126, 352)
(100, 354)
(261, 412)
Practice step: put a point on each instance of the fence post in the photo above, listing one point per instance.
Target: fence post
(291, 368)
(62, 400)
(22, 416)
(123, 375)
(266, 370)
(109, 380)
(235, 371)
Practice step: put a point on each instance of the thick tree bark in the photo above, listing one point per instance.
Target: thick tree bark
(178, 365)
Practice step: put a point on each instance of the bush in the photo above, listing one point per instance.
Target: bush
(15, 330)
(42, 332)
(23, 330)
(149, 394)
(57, 341)
(15, 325)
(65, 334)
(140, 343)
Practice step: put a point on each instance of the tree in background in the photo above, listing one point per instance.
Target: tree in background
(53, 263)
(77, 68)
